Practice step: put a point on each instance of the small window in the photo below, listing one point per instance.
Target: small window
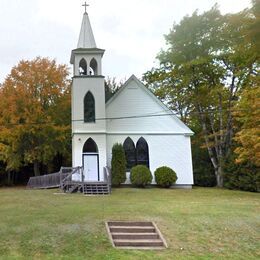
(90, 146)
(83, 67)
(142, 152)
(89, 108)
(130, 155)
(93, 67)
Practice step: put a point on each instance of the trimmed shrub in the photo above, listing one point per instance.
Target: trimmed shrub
(140, 176)
(165, 176)
(118, 165)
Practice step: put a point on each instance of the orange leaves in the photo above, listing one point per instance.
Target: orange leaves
(248, 118)
(33, 98)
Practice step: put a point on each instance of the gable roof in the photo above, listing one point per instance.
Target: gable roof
(148, 92)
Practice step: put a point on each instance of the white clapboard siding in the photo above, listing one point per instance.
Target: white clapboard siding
(139, 106)
(168, 138)
(80, 88)
(173, 151)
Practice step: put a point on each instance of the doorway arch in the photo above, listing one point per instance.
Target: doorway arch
(90, 160)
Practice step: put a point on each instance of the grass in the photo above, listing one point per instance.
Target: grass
(197, 224)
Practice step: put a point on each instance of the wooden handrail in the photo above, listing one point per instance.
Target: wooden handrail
(107, 177)
(44, 181)
(52, 180)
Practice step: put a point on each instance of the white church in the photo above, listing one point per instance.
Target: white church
(150, 133)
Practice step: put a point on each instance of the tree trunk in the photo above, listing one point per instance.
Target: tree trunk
(36, 168)
(219, 177)
(215, 157)
(9, 179)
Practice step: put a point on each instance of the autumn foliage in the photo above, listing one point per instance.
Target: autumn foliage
(34, 113)
(248, 135)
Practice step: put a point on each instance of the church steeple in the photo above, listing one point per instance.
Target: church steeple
(86, 36)
(87, 58)
(88, 105)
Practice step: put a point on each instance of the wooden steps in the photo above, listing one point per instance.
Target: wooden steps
(88, 188)
(135, 235)
(96, 188)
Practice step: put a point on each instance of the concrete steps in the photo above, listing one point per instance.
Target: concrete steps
(135, 235)
(138, 242)
(132, 229)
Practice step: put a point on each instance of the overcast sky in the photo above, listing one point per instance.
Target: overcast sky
(131, 31)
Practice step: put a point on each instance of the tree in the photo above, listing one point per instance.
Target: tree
(253, 34)
(118, 165)
(34, 114)
(247, 137)
(243, 175)
(111, 87)
(207, 63)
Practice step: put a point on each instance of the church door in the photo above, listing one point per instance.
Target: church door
(90, 161)
(90, 165)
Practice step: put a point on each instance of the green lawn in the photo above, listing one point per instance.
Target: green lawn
(197, 224)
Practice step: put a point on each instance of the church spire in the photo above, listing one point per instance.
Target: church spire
(86, 36)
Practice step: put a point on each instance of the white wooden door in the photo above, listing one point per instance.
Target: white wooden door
(90, 164)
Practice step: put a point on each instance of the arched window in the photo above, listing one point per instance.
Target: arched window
(130, 155)
(89, 108)
(142, 152)
(93, 67)
(90, 146)
(82, 67)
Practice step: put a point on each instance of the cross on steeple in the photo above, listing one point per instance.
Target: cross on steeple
(85, 5)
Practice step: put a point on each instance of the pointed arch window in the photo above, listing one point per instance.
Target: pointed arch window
(89, 108)
(130, 154)
(82, 67)
(93, 67)
(142, 152)
(90, 146)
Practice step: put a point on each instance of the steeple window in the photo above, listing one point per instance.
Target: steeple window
(93, 67)
(82, 67)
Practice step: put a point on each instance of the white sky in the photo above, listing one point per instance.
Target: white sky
(131, 31)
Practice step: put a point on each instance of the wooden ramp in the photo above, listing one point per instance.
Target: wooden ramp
(48, 181)
(135, 235)
(63, 180)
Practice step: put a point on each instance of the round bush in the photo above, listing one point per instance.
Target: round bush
(165, 176)
(140, 176)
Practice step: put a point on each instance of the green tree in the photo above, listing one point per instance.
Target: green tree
(118, 165)
(243, 175)
(34, 114)
(207, 63)
(111, 87)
